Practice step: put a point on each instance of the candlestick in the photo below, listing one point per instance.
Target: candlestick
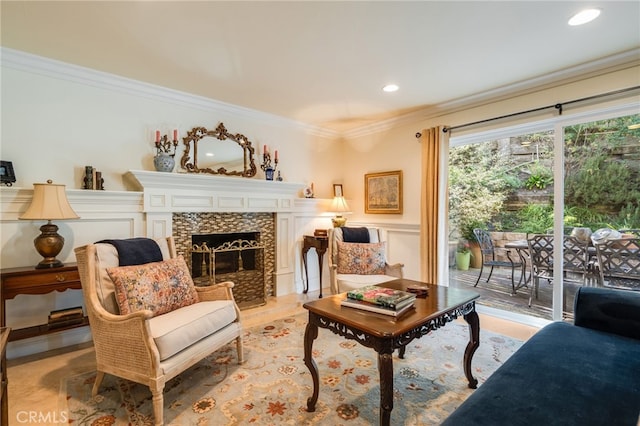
(164, 145)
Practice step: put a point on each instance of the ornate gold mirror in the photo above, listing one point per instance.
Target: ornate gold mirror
(218, 152)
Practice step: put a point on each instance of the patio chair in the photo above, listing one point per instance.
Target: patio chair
(619, 263)
(634, 232)
(541, 253)
(489, 259)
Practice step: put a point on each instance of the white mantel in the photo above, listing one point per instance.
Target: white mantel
(182, 192)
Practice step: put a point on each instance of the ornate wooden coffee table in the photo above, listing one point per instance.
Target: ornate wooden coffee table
(384, 333)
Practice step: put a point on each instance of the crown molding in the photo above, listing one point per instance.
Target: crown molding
(27, 62)
(601, 66)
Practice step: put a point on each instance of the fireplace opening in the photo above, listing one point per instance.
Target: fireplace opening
(232, 256)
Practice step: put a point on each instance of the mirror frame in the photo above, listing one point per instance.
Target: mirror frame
(220, 133)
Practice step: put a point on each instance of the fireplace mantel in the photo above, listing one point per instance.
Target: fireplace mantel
(181, 192)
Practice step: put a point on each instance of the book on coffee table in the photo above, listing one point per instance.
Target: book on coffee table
(371, 307)
(381, 296)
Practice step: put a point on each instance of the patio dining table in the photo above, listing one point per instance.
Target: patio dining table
(522, 249)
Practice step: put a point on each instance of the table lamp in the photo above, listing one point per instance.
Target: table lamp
(49, 203)
(339, 206)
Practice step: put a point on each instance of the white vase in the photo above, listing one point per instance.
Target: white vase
(164, 162)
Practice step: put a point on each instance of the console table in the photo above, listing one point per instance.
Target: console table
(28, 280)
(321, 244)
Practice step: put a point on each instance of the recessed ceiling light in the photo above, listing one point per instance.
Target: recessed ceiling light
(390, 88)
(584, 16)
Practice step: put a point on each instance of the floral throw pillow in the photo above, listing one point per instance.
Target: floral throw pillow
(361, 258)
(160, 287)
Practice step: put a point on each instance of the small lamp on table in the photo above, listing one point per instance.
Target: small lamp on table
(49, 203)
(340, 207)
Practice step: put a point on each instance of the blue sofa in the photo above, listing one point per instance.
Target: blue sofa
(583, 374)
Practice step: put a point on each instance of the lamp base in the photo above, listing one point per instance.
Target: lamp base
(49, 244)
(339, 221)
(49, 263)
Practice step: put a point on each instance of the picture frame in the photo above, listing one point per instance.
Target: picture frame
(383, 192)
(7, 175)
(337, 190)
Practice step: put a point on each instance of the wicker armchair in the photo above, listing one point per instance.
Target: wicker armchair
(351, 269)
(146, 348)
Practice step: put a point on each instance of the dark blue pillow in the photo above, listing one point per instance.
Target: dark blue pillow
(355, 235)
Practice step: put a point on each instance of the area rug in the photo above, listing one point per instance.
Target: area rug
(272, 386)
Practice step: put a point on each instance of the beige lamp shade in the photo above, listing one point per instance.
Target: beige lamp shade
(339, 206)
(49, 203)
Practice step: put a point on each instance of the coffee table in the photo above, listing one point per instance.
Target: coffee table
(385, 334)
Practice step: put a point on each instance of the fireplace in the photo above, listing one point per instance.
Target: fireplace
(237, 247)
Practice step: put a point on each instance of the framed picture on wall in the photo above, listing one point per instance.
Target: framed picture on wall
(337, 190)
(383, 192)
(7, 175)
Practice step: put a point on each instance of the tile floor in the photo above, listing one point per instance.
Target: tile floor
(34, 381)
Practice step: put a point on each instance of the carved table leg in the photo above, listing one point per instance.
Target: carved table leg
(385, 368)
(310, 334)
(306, 272)
(474, 342)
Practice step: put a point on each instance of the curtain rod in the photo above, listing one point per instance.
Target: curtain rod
(558, 106)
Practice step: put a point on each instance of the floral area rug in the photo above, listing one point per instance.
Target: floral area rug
(272, 386)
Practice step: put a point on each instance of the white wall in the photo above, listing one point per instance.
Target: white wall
(57, 118)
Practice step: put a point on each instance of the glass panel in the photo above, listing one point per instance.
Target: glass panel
(505, 188)
(601, 194)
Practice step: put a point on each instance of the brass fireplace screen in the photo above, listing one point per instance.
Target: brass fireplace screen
(240, 261)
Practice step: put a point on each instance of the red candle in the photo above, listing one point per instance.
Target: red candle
(175, 134)
(157, 135)
(264, 149)
(276, 155)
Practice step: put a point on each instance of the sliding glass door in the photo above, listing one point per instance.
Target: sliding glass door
(548, 183)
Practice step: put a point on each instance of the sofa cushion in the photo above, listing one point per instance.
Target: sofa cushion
(348, 282)
(179, 329)
(160, 287)
(361, 258)
(107, 257)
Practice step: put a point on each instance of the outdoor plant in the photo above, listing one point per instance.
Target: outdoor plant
(540, 177)
(463, 246)
(479, 182)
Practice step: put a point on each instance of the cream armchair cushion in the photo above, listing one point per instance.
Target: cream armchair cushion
(361, 264)
(150, 349)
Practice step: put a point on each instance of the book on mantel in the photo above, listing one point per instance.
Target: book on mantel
(371, 307)
(383, 297)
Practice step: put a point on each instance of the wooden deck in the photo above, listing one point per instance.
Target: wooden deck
(497, 292)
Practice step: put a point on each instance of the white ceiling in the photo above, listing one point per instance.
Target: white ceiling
(324, 62)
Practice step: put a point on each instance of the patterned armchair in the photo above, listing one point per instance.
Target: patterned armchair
(357, 258)
(149, 322)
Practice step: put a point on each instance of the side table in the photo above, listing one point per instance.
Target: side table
(28, 280)
(4, 407)
(321, 244)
